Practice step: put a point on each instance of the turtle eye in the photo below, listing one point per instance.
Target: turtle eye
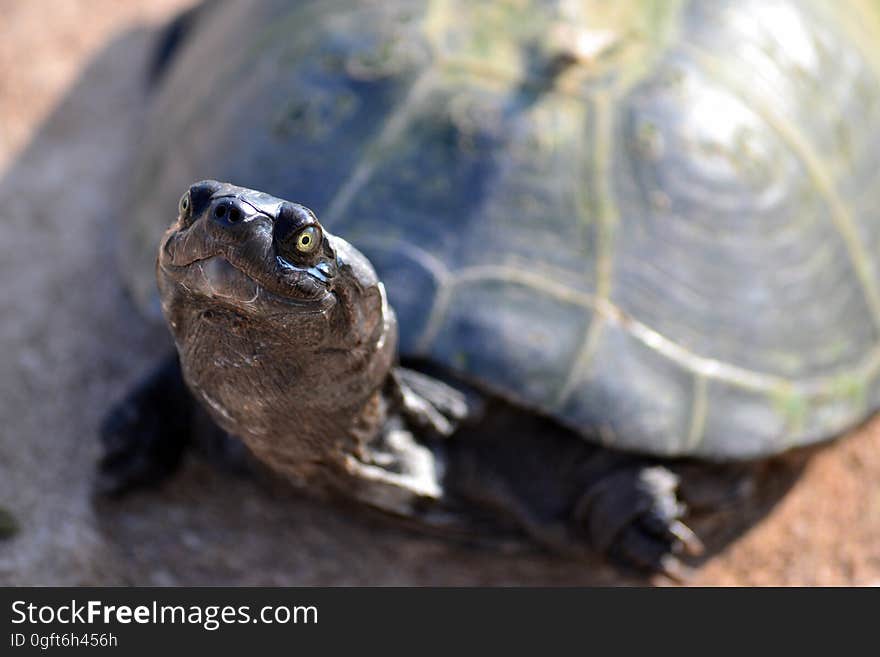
(308, 239)
(184, 205)
(297, 234)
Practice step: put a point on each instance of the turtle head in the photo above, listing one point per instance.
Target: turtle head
(275, 319)
(267, 259)
(241, 248)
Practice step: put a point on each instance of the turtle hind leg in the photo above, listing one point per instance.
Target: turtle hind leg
(572, 496)
(634, 516)
(145, 435)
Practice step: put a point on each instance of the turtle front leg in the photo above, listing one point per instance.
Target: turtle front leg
(145, 435)
(401, 470)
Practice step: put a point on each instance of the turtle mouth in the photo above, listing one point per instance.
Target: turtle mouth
(221, 279)
(219, 276)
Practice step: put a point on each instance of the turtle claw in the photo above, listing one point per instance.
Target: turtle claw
(428, 404)
(689, 541)
(674, 569)
(633, 516)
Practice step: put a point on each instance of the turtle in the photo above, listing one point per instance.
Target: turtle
(542, 262)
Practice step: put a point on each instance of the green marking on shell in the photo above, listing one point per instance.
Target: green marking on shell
(518, 41)
(391, 55)
(850, 388)
(314, 117)
(649, 140)
(793, 406)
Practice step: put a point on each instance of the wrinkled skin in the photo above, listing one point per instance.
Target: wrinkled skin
(285, 338)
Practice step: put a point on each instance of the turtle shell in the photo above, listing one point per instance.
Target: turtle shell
(655, 222)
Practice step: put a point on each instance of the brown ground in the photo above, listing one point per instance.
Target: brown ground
(69, 92)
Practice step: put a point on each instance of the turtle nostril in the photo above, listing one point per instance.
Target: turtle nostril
(229, 213)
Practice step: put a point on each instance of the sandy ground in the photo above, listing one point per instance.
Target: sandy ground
(70, 87)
